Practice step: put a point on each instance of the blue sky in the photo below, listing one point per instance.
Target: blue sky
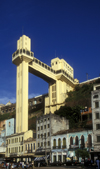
(69, 27)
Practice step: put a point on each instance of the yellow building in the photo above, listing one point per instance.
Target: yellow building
(21, 146)
(60, 77)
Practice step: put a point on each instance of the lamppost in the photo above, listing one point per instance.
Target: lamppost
(44, 137)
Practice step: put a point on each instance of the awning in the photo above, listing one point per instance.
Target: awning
(41, 158)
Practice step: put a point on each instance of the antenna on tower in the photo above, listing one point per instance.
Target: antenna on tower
(55, 53)
(22, 30)
(87, 76)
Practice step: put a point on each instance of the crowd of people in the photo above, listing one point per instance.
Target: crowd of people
(12, 165)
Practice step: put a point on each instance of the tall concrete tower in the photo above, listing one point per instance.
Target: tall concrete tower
(21, 58)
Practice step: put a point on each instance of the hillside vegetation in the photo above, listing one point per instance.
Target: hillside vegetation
(76, 101)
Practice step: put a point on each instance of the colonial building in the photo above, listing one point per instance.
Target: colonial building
(47, 125)
(21, 146)
(95, 102)
(64, 143)
(7, 127)
(35, 103)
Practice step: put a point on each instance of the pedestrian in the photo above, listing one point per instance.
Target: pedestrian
(97, 161)
(91, 162)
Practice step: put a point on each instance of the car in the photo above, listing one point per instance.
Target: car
(40, 163)
(14, 165)
(56, 163)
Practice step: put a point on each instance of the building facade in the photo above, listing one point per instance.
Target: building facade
(7, 127)
(64, 143)
(95, 102)
(47, 125)
(21, 147)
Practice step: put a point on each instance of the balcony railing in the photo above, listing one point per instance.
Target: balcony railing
(89, 145)
(29, 151)
(21, 143)
(73, 146)
(82, 145)
(13, 154)
(21, 51)
(64, 146)
(56, 147)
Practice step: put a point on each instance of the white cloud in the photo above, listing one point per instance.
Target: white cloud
(5, 100)
(32, 95)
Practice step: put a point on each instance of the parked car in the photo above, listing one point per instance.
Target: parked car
(75, 162)
(40, 163)
(56, 163)
(14, 165)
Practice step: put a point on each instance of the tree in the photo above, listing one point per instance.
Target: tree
(82, 153)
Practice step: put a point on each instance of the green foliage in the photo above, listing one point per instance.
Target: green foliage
(82, 153)
(80, 93)
(71, 113)
(7, 116)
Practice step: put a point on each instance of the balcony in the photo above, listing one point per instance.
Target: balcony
(73, 146)
(23, 51)
(89, 145)
(56, 147)
(13, 154)
(21, 143)
(29, 151)
(64, 146)
(82, 145)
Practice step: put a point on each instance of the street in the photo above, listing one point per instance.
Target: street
(60, 167)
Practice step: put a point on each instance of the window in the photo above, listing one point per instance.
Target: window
(41, 127)
(64, 142)
(41, 144)
(97, 126)
(44, 135)
(48, 125)
(76, 140)
(71, 140)
(95, 96)
(44, 144)
(59, 142)
(38, 144)
(48, 133)
(38, 128)
(44, 126)
(82, 141)
(9, 124)
(38, 136)
(48, 143)
(96, 104)
(54, 143)
(97, 115)
(98, 138)
(89, 141)
(34, 146)
(97, 88)
(26, 147)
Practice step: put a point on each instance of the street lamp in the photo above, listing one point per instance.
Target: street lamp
(44, 137)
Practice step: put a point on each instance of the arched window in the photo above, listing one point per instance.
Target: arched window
(71, 140)
(82, 141)
(59, 143)
(89, 141)
(64, 142)
(76, 140)
(54, 143)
